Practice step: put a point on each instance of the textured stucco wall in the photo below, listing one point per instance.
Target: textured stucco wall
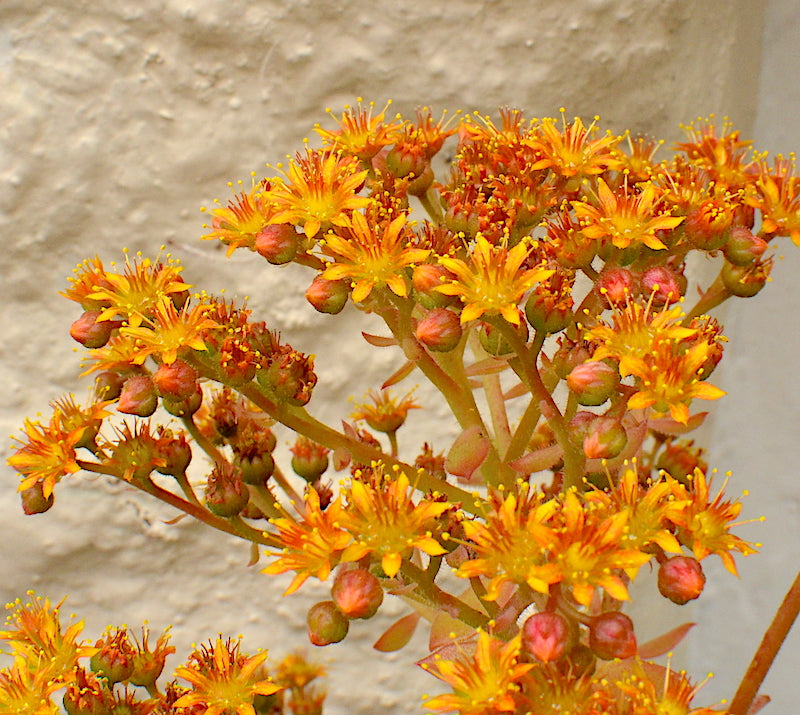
(121, 118)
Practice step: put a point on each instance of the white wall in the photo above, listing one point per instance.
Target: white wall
(122, 117)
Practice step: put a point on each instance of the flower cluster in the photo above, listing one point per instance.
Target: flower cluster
(541, 288)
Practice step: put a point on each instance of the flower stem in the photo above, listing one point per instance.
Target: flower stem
(767, 651)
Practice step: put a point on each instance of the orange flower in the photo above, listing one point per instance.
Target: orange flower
(245, 216)
(223, 681)
(26, 691)
(591, 548)
(492, 281)
(385, 414)
(169, 331)
(313, 546)
(777, 195)
(483, 683)
(320, 190)
(47, 455)
(383, 520)
(360, 133)
(626, 216)
(371, 255)
(35, 635)
(704, 524)
(512, 545)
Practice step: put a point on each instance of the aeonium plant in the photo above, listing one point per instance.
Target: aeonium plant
(541, 289)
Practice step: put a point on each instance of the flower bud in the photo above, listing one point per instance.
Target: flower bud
(357, 593)
(580, 426)
(663, 284)
(745, 281)
(680, 459)
(309, 459)
(440, 330)
(187, 407)
(569, 355)
(34, 500)
(174, 450)
(593, 382)
(606, 439)
(225, 494)
(328, 296)
(326, 624)
(138, 396)
(91, 332)
(706, 227)
(615, 285)
(255, 469)
(681, 579)
(420, 183)
(546, 313)
(493, 342)
(108, 385)
(546, 636)
(611, 636)
(277, 243)
(425, 278)
(176, 381)
(744, 247)
(149, 664)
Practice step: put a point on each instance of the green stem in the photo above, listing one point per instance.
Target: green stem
(530, 418)
(430, 203)
(430, 594)
(716, 294)
(264, 499)
(203, 442)
(767, 651)
(280, 479)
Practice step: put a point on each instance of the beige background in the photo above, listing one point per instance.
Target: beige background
(119, 119)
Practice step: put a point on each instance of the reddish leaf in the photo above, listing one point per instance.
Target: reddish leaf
(398, 634)
(402, 373)
(489, 366)
(537, 461)
(665, 642)
(666, 425)
(758, 703)
(379, 341)
(467, 452)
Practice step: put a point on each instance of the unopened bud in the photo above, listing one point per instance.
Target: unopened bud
(745, 281)
(611, 636)
(138, 396)
(34, 500)
(108, 385)
(328, 296)
(706, 227)
(357, 593)
(546, 636)
(440, 330)
(681, 579)
(91, 332)
(425, 278)
(546, 315)
(187, 407)
(663, 284)
(176, 381)
(606, 439)
(593, 382)
(326, 624)
(744, 247)
(255, 469)
(493, 342)
(615, 285)
(277, 243)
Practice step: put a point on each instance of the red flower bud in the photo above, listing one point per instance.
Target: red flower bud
(108, 385)
(187, 407)
(226, 494)
(277, 243)
(665, 285)
(546, 636)
(615, 285)
(90, 332)
(326, 623)
(593, 382)
(440, 330)
(176, 381)
(138, 396)
(681, 579)
(606, 438)
(611, 636)
(357, 593)
(328, 296)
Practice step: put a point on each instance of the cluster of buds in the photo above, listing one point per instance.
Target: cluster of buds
(544, 296)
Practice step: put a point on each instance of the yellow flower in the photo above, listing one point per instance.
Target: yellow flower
(512, 545)
(492, 282)
(245, 216)
(777, 195)
(371, 255)
(120, 354)
(223, 681)
(313, 546)
(169, 331)
(320, 190)
(483, 683)
(26, 691)
(384, 521)
(626, 216)
(47, 455)
(385, 414)
(134, 295)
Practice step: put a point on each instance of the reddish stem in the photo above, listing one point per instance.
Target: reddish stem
(767, 651)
